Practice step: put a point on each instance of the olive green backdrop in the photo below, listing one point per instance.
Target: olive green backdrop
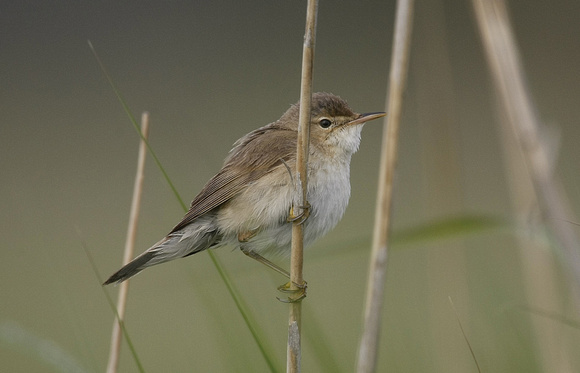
(209, 72)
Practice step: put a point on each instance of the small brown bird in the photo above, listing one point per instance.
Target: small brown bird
(248, 203)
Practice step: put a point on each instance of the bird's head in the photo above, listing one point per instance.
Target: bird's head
(333, 122)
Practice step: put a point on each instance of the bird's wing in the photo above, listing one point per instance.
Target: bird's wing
(248, 161)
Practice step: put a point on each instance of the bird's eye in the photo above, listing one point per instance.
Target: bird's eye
(325, 123)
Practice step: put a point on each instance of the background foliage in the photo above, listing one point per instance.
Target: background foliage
(209, 72)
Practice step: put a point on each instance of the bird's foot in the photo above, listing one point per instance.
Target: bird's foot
(298, 291)
(300, 218)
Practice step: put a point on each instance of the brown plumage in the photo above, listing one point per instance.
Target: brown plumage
(248, 201)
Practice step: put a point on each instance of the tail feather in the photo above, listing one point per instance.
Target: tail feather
(190, 240)
(131, 269)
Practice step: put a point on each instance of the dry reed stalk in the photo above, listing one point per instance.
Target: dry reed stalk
(508, 76)
(116, 335)
(302, 148)
(368, 349)
(538, 268)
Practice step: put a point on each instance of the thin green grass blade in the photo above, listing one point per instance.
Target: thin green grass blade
(446, 228)
(234, 293)
(464, 335)
(114, 309)
(246, 315)
(317, 341)
(136, 125)
(437, 230)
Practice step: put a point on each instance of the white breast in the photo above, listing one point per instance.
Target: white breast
(265, 206)
(328, 194)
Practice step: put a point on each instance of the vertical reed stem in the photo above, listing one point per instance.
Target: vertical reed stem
(508, 76)
(368, 348)
(116, 335)
(302, 149)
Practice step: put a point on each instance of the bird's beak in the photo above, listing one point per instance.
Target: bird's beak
(363, 118)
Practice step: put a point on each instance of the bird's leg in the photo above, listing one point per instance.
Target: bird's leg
(286, 288)
(244, 237)
(300, 218)
(254, 255)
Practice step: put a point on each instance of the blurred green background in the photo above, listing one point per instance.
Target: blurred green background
(209, 72)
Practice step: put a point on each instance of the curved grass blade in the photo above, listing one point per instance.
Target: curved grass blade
(464, 335)
(234, 293)
(446, 228)
(136, 125)
(114, 309)
(434, 231)
(317, 338)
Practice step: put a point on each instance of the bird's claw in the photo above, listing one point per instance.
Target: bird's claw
(300, 218)
(299, 291)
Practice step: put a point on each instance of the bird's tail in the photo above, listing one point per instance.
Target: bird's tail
(132, 268)
(190, 240)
